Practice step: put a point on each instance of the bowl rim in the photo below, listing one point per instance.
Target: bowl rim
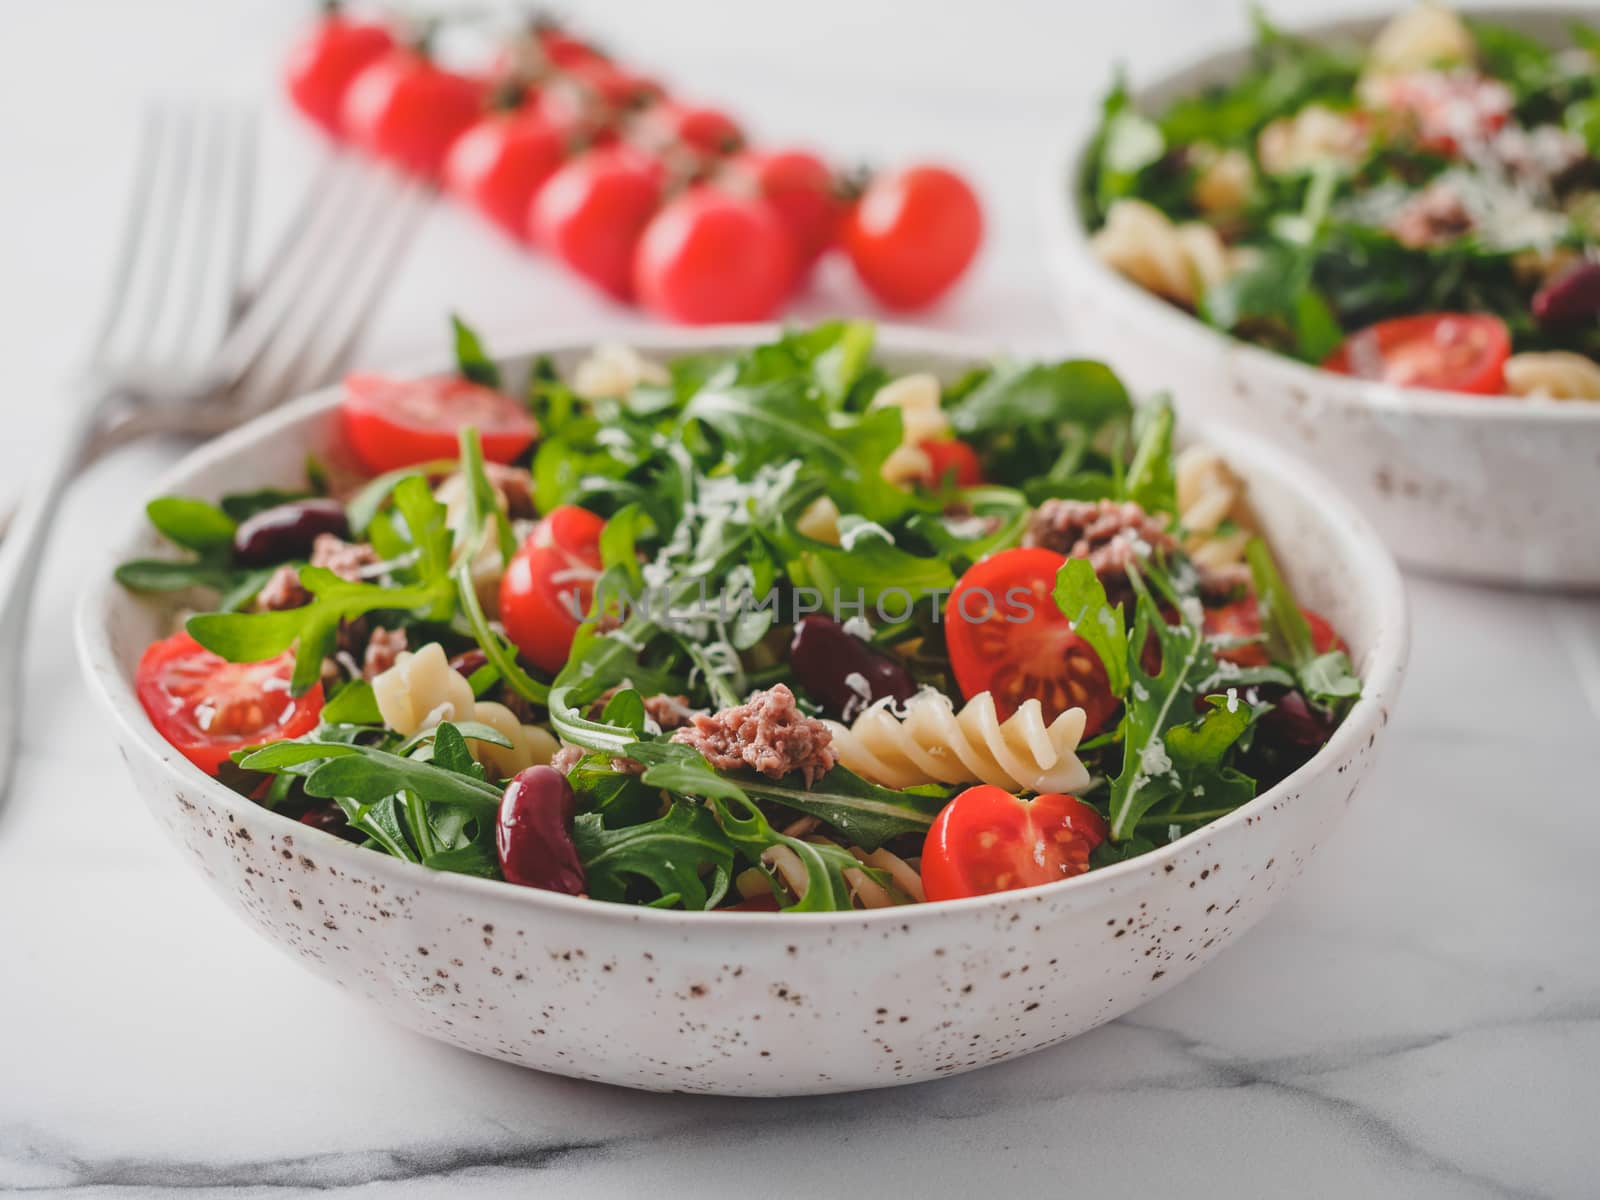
(1069, 257)
(1381, 589)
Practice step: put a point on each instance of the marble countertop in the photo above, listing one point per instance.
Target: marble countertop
(1419, 1016)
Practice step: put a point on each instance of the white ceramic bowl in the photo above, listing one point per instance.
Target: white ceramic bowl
(1497, 490)
(751, 1003)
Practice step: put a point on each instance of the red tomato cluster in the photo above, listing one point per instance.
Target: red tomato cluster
(648, 197)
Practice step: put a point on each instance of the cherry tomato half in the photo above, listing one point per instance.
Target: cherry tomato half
(499, 164)
(1449, 109)
(549, 585)
(987, 840)
(1454, 352)
(406, 110)
(393, 423)
(1006, 636)
(324, 62)
(208, 707)
(912, 234)
(592, 212)
(1242, 619)
(951, 462)
(709, 257)
(799, 187)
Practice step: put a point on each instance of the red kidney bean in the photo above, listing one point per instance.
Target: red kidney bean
(287, 531)
(1294, 722)
(1572, 295)
(469, 661)
(534, 833)
(840, 671)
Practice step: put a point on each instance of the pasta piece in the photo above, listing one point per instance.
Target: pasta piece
(1424, 36)
(1224, 181)
(819, 521)
(1314, 134)
(422, 690)
(921, 418)
(1209, 493)
(613, 370)
(872, 894)
(1175, 261)
(1553, 375)
(933, 743)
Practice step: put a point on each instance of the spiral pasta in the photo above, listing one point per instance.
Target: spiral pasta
(922, 419)
(1223, 181)
(1175, 261)
(1427, 35)
(1553, 375)
(1314, 134)
(422, 690)
(933, 743)
(1209, 493)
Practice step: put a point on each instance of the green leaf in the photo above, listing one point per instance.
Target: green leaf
(450, 749)
(1082, 597)
(1287, 633)
(1150, 482)
(241, 506)
(472, 361)
(866, 814)
(361, 508)
(1079, 392)
(428, 531)
(193, 524)
(165, 575)
(674, 853)
(353, 704)
(495, 648)
(1329, 677)
(367, 775)
(483, 503)
(619, 541)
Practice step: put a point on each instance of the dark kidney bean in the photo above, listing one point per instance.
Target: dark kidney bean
(1573, 295)
(469, 661)
(1294, 722)
(287, 531)
(534, 833)
(330, 819)
(827, 661)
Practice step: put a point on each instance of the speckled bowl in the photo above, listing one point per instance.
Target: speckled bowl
(751, 1003)
(1496, 490)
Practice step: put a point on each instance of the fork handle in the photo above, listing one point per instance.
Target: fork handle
(20, 556)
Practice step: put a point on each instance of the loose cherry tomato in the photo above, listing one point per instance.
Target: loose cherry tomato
(799, 187)
(591, 213)
(322, 64)
(987, 840)
(704, 130)
(1453, 352)
(912, 234)
(563, 50)
(951, 462)
(498, 165)
(407, 110)
(393, 423)
(549, 585)
(596, 95)
(1242, 619)
(1006, 636)
(709, 257)
(208, 707)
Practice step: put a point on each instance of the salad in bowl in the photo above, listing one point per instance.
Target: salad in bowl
(1373, 242)
(761, 630)
(760, 712)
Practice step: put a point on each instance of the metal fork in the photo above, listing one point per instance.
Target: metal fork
(180, 347)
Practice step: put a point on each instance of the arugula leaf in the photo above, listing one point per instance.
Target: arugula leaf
(167, 575)
(672, 853)
(1327, 678)
(472, 361)
(361, 508)
(241, 506)
(1077, 391)
(1082, 597)
(353, 704)
(366, 774)
(192, 524)
(1150, 482)
(865, 813)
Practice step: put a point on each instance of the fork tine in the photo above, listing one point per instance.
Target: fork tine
(244, 188)
(165, 240)
(148, 158)
(208, 230)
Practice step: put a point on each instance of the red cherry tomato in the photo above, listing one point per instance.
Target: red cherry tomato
(799, 187)
(951, 462)
(1242, 619)
(498, 165)
(322, 64)
(393, 423)
(406, 110)
(1006, 636)
(208, 707)
(596, 95)
(591, 213)
(987, 840)
(912, 234)
(563, 50)
(549, 585)
(709, 257)
(704, 130)
(1453, 352)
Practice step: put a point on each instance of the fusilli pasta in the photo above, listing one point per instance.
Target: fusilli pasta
(933, 743)
(922, 419)
(1209, 493)
(1427, 35)
(421, 690)
(1224, 180)
(1175, 261)
(1553, 375)
(613, 370)
(1314, 134)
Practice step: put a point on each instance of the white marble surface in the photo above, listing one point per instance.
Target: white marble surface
(1420, 1016)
